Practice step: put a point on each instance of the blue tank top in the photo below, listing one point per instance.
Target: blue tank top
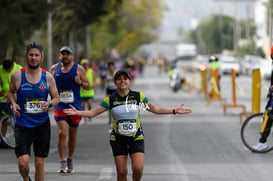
(68, 89)
(29, 97)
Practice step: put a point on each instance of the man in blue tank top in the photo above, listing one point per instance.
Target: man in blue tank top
(29, 90)
(69, 77)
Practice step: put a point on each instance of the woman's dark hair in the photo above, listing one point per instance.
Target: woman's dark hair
(110, 63)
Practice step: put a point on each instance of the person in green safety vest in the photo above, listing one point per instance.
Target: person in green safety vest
(87, 96)
(7, 68)
(215, 64)
(175, 70)
(176, 76)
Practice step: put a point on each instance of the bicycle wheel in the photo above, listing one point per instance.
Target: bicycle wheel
(7, 131)
(250, 133)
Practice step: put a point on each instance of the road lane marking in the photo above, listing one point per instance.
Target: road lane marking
(106, 173)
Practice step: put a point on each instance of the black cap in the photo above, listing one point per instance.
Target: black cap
(67, 48)
(121, 72)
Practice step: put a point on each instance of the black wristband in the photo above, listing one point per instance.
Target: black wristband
(50, 105)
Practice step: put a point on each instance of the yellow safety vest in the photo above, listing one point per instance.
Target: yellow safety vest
(89, 92)
(5, 78)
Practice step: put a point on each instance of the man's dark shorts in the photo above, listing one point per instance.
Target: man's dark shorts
(38, 136)
(73, 120)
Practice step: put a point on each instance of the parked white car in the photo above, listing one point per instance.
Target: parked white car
(252, 62)
(228, 63)
(266, 69)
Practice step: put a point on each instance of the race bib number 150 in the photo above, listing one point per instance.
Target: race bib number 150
(127, 128)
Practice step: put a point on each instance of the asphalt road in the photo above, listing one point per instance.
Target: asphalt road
(202, 146)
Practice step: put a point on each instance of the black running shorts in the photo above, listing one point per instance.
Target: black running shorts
(38, 136)
(125, 145)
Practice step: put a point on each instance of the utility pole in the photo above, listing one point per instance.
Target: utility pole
(269, 24)
(236, 27)
(49, 38)
(88, 42)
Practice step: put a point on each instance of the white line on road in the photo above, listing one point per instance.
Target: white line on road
(106, 173)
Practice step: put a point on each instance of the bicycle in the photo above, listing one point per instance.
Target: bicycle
(257, 125)
(7, 125)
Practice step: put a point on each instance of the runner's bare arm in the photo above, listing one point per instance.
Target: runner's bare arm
(83, 80)
(52, 69)
(55, 99)
(13, 86)
(90, 113)
(165, 110)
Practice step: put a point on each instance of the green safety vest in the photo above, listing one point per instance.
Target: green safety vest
(5, 78)
(89, 92)
(215, 65)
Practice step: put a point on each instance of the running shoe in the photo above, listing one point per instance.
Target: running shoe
(70, 168)
(260, 146)
(63, 166)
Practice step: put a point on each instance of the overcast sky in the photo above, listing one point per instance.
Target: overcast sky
(185, 13)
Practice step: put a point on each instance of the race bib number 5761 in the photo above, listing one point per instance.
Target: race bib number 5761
(66, 96)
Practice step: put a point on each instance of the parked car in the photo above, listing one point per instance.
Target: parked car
(252, 62)
(266, 69)
(228, 63)
(201, 62)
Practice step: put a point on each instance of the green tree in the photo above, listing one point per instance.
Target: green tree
(19, 19)
(134, 24)
(216, 33)
(119, 24)
(250, 49)
(71, 19)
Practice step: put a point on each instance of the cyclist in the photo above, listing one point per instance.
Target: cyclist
(176, 76)
(261, 145)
